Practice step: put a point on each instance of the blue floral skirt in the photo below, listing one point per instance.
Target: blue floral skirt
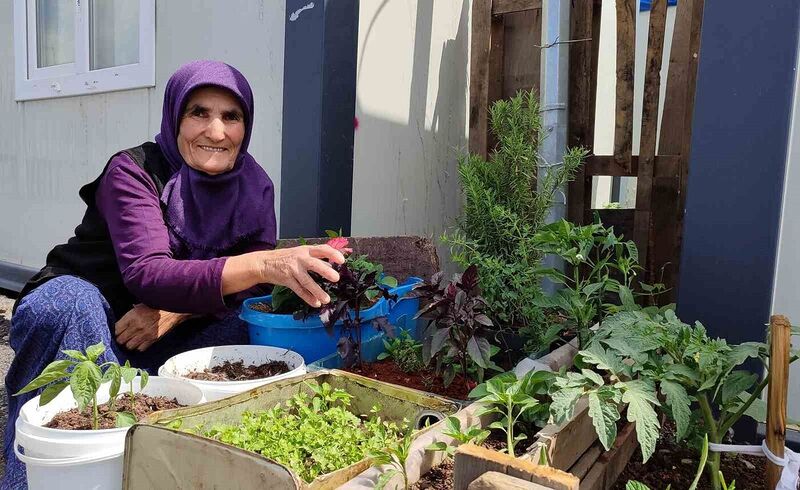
(70, 313)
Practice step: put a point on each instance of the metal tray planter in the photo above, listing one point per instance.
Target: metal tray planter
(160, 455)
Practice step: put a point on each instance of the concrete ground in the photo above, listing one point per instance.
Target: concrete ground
(6, 356)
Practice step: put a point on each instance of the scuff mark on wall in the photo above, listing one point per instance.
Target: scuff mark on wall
(296, 14)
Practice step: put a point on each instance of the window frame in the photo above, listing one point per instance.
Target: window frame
(70, 79)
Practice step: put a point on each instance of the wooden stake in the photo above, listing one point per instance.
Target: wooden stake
(780, 331)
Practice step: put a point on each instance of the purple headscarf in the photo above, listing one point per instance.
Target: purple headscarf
(214, 214)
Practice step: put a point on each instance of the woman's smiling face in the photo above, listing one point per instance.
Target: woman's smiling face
(211, 130)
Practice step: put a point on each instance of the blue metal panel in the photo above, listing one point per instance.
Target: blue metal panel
(739, 142)
(318, 112)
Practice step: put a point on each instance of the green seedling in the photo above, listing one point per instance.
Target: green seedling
(473, 434)
(395, 456)
(82, 374)
(512, 399)
(404, 351)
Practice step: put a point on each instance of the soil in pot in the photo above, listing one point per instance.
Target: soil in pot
(676, 464)
(237, 371)
(262, 307)
(143, 405)
(427, 380)
(441, 477)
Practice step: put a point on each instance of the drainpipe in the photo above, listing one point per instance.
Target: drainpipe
(553, 96)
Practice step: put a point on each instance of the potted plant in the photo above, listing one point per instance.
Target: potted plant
(283, 320)
(81, 431)
(225, 370)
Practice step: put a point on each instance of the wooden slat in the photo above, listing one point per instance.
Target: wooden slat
(675, 138)
(472, 461)
(496, 59)
(780, 347)
(584, 24)
(479, 77)
(521, 66)
(568, 441)
(610, 464)
(642, 232)
(496, 72)
(626, 44)
(500, 7)
(493, 480)
(583, 465)
(666, 166)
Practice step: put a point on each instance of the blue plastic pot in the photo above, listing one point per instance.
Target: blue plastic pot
(309, 338)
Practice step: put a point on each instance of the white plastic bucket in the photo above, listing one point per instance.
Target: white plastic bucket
(200, 359)
(94, 457)
(100, 472)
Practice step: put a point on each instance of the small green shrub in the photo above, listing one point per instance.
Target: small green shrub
(506, 201)
(404, 351)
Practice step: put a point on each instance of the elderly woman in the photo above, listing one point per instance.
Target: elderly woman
(176, 234)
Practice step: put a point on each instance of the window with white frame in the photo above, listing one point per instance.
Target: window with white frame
(76, 47)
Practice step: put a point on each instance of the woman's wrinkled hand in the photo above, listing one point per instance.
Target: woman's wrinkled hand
(290, 267)
(142, 326)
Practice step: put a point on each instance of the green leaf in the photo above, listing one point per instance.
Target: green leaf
(635, 485)
(144, 379)
(84, 382)
(125, 419)
(678, 400)
(77, 355)
(604, 418)
(385, 478)
(51, 392)
(563, 403)
(737, 382)
(383, 355)
(593, 377)
(53, 372)
(128, 372)
(93, 352)
(389, 281)
(626, 296)
(640, 397)
(437, 446)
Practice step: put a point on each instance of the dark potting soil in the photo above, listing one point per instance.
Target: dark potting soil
(262, 307)
(441, 477)
(237, 371)
(143, 405)
(389, 372)
(676, 464)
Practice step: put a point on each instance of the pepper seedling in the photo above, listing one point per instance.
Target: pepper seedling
(82, 374)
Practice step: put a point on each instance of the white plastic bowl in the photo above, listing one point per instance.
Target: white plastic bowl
(201, 359)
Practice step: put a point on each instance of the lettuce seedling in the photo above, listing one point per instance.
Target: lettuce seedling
(312, 435)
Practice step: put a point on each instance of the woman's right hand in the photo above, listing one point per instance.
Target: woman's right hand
(288, 267)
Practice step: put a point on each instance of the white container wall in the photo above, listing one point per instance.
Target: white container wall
(54, 146)
(786, 290)
(411, 104)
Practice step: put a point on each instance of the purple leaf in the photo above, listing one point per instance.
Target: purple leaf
(483, 320)
(479, 350)
(382, 324)
(438, 340)
(347, 351)
(469, 280)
